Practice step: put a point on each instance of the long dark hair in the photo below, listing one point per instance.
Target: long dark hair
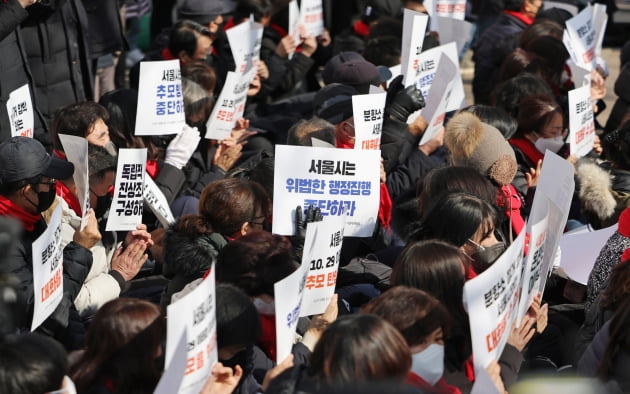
(123, 347)
(619, 340)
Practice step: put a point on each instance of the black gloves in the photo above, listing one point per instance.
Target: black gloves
(312, 215)
(403, 101)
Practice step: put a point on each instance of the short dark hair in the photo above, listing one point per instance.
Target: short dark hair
(508, 95)
(258, 8)
(238, 322)
(77, 119)
(100, 161)
(415, 313)
(184, 37)
(383, 50)
(357, 348)
(31, 363)
(300, 133)
(496, 117)
(255, 261)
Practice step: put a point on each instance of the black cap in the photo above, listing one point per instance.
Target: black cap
(334, 102)
(204, 11)
(25, 158)
(350, 68)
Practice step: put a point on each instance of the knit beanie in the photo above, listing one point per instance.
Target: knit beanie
(478, 145)
(624, 223)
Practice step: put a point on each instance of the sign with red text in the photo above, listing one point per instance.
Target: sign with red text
(76, 150)
(47, 270)
(491, 300)
(341, 182)
(288, 294)
(127, 203)
(312, 17)
(553, 195)
(414, 28)
(532, 265)
(438, 98)
(582, 35)
(368, 111)
(322, 248)
(20, 111)
(455, 9)
(228, 108)
(581, 121)
(160, 108)
(195, 315)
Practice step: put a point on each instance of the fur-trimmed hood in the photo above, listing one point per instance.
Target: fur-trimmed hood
(595, 192)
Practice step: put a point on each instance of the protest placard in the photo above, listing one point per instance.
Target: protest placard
(245, 40)
(172, 377)
(20, 111)
(157, 202)
(322, 247)
(532, 265)
(127, 204)
(553, 193)
(438, 98)
(160, 108)
(228, 108)
(454, 9)
(582, 35)
(579, 252)
(581, 121)
(414, 28)
(47, 270)
(454, 30)
(288, 294)
(195, 315)
(294, 21)
(338, 181)
(312, 17)
(492, 298)
(368, 111)
(76, 150)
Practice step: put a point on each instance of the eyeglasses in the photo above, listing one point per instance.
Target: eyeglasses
(262, 223)
(476, 244)
(51, 182)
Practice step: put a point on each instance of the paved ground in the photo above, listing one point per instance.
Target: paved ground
(611, 55)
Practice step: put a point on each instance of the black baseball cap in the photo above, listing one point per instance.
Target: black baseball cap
(25, 158)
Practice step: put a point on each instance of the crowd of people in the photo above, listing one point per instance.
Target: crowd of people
(448, 208)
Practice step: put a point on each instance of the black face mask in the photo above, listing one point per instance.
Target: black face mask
(485, 256)
(45, 199)
(102, 205)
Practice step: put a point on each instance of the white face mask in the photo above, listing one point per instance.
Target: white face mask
(265, 308)
(553, 144)
(68, 387)
(429, 363)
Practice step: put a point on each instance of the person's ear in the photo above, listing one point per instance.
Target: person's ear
(245, 228)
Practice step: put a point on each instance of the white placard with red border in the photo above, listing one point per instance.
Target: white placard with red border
(581, 121)
(368, 111)
(21, 113)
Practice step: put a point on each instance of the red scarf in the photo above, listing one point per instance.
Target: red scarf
(152, 168)
(362, 29)
(69, 197)
(385, 203)
(528, 148)
(8, 208)
(523, 18)
(511, 204)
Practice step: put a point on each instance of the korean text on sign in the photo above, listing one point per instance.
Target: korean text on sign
(127, 204)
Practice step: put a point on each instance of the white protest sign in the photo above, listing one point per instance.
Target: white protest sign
(428, 66)
(288, 294)
(20, 111)
(156, 200)
(581, 121)
(579, 252)
(172, 377)
(76, 150)
(600, 20)
(368, 111)
(228, 108)
(316, 142)
(414, 28)
(582, 36)
(454, 30)
(438, 98)
(555, 191)
(338, 181)
(322, 247)
(160, 99)
(294, 20)
(532, 265)
(579, 75)
(483, 383)
(126, 209)
(245, 40)
(47, 270)
(195, 315)
(312, 17)
(455, 9)
(491, 300)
